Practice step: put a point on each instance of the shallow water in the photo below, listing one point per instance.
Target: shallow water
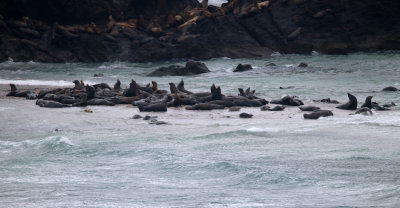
(68, 158)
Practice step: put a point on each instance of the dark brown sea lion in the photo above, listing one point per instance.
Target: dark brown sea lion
(317, 114)
(205, 106)
(157, 107)
(390, 89)
(309, 108)
(181, 87)
(351, 105)
(367, 103)
(117, 86)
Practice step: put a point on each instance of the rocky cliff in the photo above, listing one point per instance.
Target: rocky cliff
(154, 30)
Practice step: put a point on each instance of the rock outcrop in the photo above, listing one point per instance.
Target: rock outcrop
(156, 30)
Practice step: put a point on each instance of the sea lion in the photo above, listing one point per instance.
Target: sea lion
(82, 102)
(137, 116)
(204, 106)
(27, 94)
(213, 88)
(217, 95)
(327, 100)
(13, 91)
(241, 92)
(157, 107)
(367, 103)
(264, 108)
(309, 108)
(277, 108)
(90, 92)
(147, 117)
(181, 87)
(317, 114)
(78, 85)
(172, 88)
(284, 88)
(293, 101)
(226, 103)
(50, 104)
(43, 93)
(97, 101)
(377, 107)
(132, 90)
(102, 86)
(175, 102)
(388, 105)
(16, 93)
(364, 111)
(117, 86)
(246, 115)
(245, 102)
(351, 105)
(234, 108)
(390, 89)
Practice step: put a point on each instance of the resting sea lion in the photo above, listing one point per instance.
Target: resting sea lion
(50, 104)
(102, 86)
(90, 92)
(318, 113)
(97, 101)
(309, 108)
(277, 108)
(364, 111)
(205, 106)
(158, 107)
(246, 115)
(390, 89)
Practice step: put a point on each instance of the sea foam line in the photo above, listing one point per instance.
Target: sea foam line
(62, 83)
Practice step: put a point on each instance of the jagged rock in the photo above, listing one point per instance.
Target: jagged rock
(243, 67)
(302, 64)
(157, 30)
(191, 68)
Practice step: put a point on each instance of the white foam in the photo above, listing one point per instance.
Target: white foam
(37, 82)
(256, 129)
(215, 2)
(61, 83)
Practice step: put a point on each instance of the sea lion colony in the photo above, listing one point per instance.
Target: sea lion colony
(150, 98)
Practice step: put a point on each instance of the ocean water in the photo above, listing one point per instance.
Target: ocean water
(69, 158)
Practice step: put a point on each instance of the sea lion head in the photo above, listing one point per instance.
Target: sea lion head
(155, 85)
(13, 87)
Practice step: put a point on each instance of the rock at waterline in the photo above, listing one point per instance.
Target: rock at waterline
(243, 67)
(191, 68)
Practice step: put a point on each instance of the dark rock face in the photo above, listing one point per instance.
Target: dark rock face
(191, 68)
(156, 30)
(243, 67)
(86, 11)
